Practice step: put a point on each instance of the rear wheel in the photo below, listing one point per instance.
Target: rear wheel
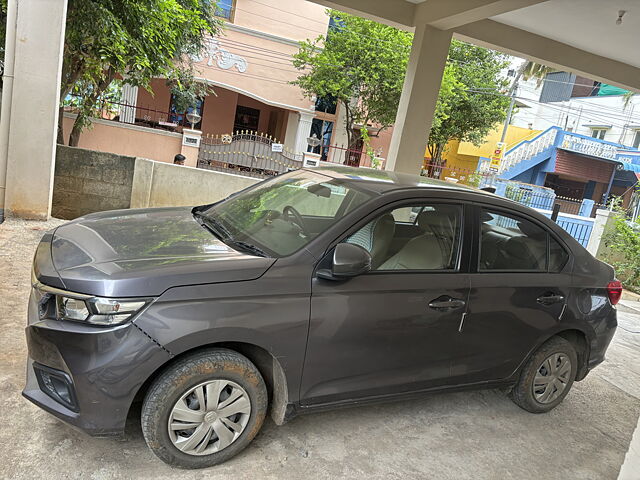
(204, 409)
(547, 377)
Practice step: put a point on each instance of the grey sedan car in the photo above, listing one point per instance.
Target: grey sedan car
(312, 290)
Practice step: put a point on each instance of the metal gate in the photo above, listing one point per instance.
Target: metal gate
(246, 153)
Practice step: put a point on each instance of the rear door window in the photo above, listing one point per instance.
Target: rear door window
(512, 243)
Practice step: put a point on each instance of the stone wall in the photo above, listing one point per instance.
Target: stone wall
(158, 184)
(87, 181)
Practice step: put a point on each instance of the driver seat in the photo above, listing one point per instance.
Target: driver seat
(375, 237)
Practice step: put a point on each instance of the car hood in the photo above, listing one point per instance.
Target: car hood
(129, 253)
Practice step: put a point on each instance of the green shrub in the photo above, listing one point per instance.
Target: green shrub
(623, 242)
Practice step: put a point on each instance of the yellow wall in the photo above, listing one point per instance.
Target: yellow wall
(514, 136)
(465, 155)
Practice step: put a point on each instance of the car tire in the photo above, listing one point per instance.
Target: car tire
(546, 378)
(202, 388)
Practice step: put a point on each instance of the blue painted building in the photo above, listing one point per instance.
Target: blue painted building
(574, 166)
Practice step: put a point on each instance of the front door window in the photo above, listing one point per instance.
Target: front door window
(418, 237)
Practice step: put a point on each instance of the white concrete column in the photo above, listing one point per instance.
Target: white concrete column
(304, 130)
(7, 91)
(601, 226)
(34, 107)
(129, 99)
(418, 101)
(191, 146)
(291, 130)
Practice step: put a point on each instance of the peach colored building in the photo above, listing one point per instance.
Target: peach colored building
(249, 66)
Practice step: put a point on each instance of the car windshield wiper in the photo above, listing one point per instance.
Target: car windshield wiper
(219, 230)
(214, 226)
(248, 247)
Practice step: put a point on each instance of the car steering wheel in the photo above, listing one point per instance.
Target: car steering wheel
(293, 216)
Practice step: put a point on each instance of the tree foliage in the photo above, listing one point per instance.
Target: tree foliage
(623, 243)
(362, 64)
(471, 99)
(536, 70)
(136, 40)
(359, 63)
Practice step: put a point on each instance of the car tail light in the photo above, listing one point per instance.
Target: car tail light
(614, 290)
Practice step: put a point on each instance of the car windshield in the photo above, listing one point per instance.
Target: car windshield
(282, 215)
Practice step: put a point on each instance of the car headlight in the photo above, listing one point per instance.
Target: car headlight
(96, 310)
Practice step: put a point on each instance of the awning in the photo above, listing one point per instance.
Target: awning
(631, 167)
(606, 90)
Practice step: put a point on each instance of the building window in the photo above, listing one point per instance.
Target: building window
(323, 130)
(326, 105)
(246, 119)
(598, 133)
(636, 139)
(225, 9)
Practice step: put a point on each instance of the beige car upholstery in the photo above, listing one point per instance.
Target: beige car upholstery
(519, 246)
(525, 252)
(433, 250)
(375, 237)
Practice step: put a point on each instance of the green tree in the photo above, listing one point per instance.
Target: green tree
(359, 63)
(136, 40)
(470, 103)
(623, 246)
(535, 70)
(362, 64)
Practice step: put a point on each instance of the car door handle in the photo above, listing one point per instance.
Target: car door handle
(550, 299)
(446, 303)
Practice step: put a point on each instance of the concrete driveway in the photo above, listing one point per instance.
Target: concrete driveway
(474, 435)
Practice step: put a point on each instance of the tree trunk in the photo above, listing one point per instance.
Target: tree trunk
(88, 105)
(74, 136)
(60, 139)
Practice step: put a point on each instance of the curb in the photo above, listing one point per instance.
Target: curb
(630, 296)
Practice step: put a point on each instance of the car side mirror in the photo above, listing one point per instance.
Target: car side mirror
(349, 260)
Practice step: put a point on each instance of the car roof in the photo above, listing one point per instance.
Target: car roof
(384, 181)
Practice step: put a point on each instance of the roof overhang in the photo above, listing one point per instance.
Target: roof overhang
(564, 34)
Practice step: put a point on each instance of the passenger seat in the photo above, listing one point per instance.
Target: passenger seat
(433, 249)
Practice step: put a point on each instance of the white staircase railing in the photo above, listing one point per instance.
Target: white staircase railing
(530, 149)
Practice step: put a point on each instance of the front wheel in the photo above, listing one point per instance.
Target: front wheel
(547, 377)
(204, 409)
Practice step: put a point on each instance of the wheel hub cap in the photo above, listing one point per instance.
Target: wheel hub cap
(209, 417)
(551, 378)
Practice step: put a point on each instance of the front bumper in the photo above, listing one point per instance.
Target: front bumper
(105, 368)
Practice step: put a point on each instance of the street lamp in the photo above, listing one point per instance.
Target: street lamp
(193, 117)
(313, 141)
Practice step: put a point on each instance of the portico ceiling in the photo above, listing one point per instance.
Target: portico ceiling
(586, 24)
(574, 35)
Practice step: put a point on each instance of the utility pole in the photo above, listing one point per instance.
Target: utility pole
(512, 94)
